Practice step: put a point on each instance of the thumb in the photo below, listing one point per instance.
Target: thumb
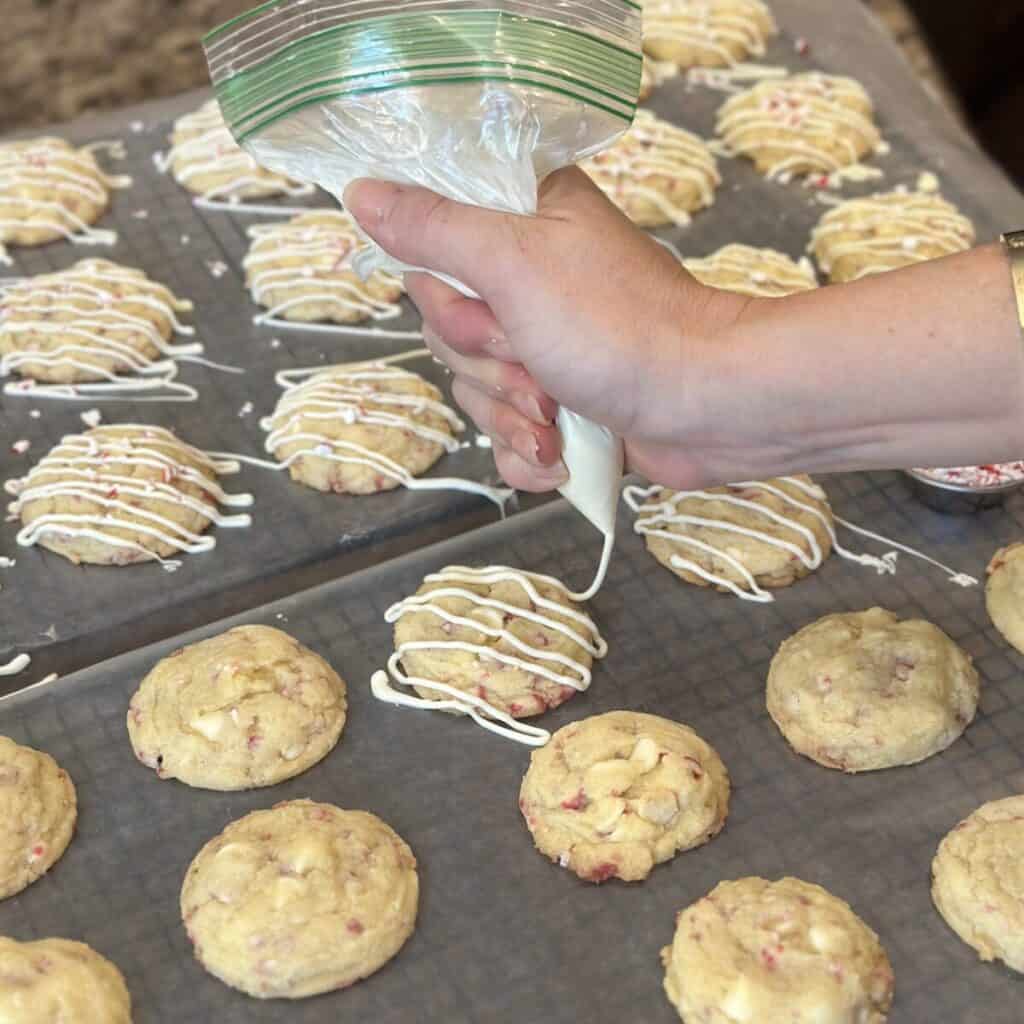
(424, 229)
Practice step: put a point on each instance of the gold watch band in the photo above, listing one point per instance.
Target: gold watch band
(1014, 242)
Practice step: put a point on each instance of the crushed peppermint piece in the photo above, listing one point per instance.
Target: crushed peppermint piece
(802, 46)
(218, 268)
(21, 446)
(92, 417)
(245, 410)
(140, 214)
(988, 475)
(483, 441)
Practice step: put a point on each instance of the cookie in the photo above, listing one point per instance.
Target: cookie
(118, 495)
(38, 807)
(744, 538)
(763, 273)
(804, 124)
(614, 795)
(706, 33)
(860, 691)
(887, 231)
(300, 899)
(654, 73)
(1004, 593)
(50, 190)
(250, 707)
(776, 953)
(302, 271)
(975, 881)
(206, 160)
(657, 174)
(512, 641)
(93, 322)
(361, 428)
(57, 981)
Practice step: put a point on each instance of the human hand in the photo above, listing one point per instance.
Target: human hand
(578, 307)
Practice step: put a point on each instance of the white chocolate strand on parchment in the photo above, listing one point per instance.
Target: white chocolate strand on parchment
(656, 173)
(122, 494)
(706, 33)
(206, 160)
(887, 231)
(763, 273)
(17, 664)
(50, 190)
(367, 401)
(551, 665)
(96, 329)
(301, 272)
(805, 124)
(656, 517)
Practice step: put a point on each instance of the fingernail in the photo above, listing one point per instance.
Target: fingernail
(530, 408)
(369, 201)
(527, 446)
(553, 476)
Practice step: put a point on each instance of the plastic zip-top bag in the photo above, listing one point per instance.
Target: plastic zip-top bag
(478, 100)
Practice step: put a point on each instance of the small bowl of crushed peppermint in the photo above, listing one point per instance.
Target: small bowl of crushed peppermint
(961, 490)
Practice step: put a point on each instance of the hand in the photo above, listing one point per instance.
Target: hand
(578, 307)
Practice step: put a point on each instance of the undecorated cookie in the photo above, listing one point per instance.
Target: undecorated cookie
(302, 270)
(300, 899)
(776, 953)
(361, 428)
(706, 33)
(614, 795)
(888, 231)
(57, 981)
(860, 691)
(978, 881)
(744, 538)
(250, 707)
(763, 273)
(38, 808)
(805, 124)
(1004, 593)
(657, 174)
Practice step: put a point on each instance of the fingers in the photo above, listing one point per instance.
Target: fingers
(523, 475)
(467, 325)
(420, 227)
(538, 446)
(505, 382)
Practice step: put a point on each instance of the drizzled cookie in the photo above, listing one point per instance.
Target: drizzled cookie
(764, 273)
(706, 33)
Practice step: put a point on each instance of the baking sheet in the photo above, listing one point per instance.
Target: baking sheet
(69, 617)
(503, 934)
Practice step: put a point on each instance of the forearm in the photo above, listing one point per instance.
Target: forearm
(920, 367)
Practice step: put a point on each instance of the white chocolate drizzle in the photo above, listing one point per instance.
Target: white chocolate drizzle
(734, 78)
(94, 296)
(550, 665)
(210, 149)
(339, 393)
(310, 260)
(655, 149)
(709, 26)
(17, 664)
(890, 229)
(86, 467)
(765, 272)
(787, 115)
(656, 518)
(52, 168)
